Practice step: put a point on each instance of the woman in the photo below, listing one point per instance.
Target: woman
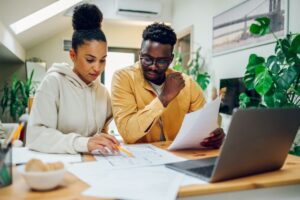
(71, 108)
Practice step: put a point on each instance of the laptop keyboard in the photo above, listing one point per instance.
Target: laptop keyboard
(205, 171)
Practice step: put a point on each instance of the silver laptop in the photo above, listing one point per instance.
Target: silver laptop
(258, 140)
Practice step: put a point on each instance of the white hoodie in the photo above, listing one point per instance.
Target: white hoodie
(66, 112)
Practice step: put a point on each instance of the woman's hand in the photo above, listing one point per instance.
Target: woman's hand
(101, 142)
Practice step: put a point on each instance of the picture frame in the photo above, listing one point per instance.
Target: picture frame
(231, 27)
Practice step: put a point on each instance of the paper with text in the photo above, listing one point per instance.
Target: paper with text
(144, 155)
(196, 126)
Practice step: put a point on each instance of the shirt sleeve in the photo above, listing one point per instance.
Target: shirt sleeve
(42, 133)
(132, 123)
(197, 96)
(109, 116)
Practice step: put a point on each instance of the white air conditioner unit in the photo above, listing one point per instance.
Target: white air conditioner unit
(139, 7)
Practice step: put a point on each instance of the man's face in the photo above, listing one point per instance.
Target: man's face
(155, 59)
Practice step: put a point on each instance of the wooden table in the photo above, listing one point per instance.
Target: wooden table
(73, 187)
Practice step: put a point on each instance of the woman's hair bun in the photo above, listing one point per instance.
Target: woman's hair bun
(86, 17)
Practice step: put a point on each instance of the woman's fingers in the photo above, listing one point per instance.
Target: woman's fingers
(106, 141)
(112, 138)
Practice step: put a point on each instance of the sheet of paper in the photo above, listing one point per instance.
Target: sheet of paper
(22, 155)
(138, 183)
(93, 172)
(144, 155)
(196, 126)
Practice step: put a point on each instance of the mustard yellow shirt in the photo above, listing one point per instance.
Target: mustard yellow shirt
(136, 107)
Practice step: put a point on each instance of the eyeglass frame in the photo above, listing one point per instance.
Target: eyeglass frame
(154, 60)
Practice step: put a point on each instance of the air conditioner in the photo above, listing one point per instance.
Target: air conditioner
(139, 7)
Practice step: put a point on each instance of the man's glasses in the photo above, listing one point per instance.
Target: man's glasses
(159, 62)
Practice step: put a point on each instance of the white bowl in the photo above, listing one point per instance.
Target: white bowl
(43, 180)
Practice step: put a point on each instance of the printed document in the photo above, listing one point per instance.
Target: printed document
(196, 126)
(144, 155)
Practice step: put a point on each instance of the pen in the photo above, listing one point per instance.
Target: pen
(17, 132)
(125, 151)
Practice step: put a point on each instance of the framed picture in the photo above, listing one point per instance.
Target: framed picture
(231, 27)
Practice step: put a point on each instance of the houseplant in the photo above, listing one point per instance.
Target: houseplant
(15, 97)
(277, 78)
(194, 67)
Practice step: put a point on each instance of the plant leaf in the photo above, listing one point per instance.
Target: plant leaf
(263, 81)
(261, 26)
(296, 44)
(288, 76)
(203, 80)
(243, 100)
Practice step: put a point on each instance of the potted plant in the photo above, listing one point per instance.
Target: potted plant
(194, 68)
(15, 97)
(277, 78)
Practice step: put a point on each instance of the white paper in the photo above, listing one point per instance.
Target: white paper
(187, 180)
(144, 155)
(196, 126)
(139, 183)
(22, 155)
(93, 172)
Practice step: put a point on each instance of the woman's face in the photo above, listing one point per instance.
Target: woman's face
(89, 60)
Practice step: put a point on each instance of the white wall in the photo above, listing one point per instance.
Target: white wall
(118, 35)
(8, 40)
(199, 13)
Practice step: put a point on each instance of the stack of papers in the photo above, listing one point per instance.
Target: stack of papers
(120, 176)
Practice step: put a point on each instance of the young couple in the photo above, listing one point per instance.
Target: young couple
(72, 109)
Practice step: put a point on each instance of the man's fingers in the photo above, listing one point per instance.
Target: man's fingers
(215, 138)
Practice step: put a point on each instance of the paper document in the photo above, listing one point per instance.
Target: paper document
(139, 183)
(196, 126)
(22, 155)
(144, 155)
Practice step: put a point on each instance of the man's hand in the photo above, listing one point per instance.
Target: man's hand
(173, 85)
(215, 140)
(102, 141)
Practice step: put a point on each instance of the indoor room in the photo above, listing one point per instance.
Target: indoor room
(149, 99)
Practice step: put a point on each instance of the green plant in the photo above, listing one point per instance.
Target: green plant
(277, 78)
(194, 67)
(15, 97)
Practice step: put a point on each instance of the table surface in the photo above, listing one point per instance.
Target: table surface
(72, 187)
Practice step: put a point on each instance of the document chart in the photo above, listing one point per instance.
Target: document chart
(144, 155)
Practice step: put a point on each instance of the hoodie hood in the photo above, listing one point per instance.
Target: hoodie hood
(66, 70)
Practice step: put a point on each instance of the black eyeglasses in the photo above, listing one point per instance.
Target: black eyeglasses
(159, 62)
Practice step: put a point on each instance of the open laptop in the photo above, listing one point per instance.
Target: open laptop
(258, 140)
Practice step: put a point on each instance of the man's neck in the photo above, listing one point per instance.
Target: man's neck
(158, 81)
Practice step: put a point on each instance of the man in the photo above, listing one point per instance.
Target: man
(150, 100)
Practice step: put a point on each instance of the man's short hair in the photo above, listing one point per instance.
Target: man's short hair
(159, 32)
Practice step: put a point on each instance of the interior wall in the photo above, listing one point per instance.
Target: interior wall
(8, 40)
(118, 35)
(199, 13)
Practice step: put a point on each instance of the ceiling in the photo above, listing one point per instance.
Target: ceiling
(13, 10)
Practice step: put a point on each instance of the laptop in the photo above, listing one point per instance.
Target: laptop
(258, 140)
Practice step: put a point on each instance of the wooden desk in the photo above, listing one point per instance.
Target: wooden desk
(72, 187)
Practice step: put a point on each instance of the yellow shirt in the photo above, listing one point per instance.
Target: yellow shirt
(136, 107)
